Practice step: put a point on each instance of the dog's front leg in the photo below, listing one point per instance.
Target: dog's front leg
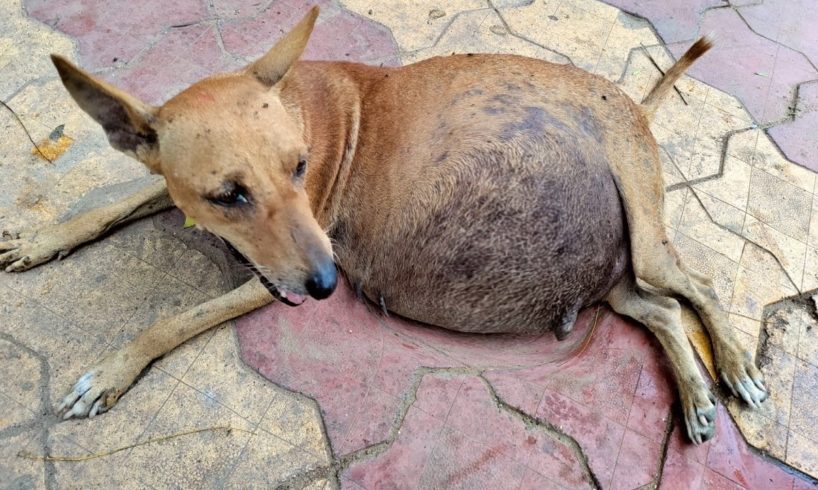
(101, 386)
(29, 249)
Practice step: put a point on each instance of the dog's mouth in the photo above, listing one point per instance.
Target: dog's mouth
(287, 297)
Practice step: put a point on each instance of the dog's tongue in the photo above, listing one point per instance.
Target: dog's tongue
(295, 298)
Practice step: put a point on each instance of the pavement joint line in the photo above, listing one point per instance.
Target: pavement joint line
(342, 462)
(516, 34)
(547, 427)
(46, 419)
(660, 471)
(440, 36)
(779, 43)
(735, 275)
(231, 468)
(695, 194)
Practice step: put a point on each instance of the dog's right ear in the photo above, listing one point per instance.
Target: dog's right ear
(127, 121)
(277, 62)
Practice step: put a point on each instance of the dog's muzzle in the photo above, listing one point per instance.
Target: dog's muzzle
(266, 282)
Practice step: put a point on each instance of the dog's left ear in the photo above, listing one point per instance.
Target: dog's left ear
(276, 63)
(127, 121)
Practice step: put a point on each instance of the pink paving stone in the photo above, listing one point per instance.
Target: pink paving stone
(638, 462)
(599, 436)
(436, 394)
(231, 9)
(732, 459)
(363, 369)
(681, 473)
(118, 29)
(797, 138)
(402, 465)
(180, 58)
(338, 35)
(762, 73)
(790, 22)
(747, 66)
(715, 481)
(674, 20)
(649, 411)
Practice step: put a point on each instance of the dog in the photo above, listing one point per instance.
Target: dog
(479, 193)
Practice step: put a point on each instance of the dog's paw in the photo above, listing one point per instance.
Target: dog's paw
(700, 415)
(20, 252)
(741, 375)
(99, 389)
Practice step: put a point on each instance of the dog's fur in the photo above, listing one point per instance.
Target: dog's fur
(484, 193)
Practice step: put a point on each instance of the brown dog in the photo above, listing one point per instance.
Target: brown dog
(481, 193)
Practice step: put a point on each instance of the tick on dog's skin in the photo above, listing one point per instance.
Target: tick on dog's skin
(467, 207)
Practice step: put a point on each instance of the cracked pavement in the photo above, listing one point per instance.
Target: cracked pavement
(333, 394)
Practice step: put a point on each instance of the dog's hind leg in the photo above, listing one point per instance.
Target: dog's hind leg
(655, 261)
(100, 387)
(29, 249)
(662, 316)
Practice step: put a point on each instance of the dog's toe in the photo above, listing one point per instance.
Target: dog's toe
(99, 389)
(700, 417)
(744, 379)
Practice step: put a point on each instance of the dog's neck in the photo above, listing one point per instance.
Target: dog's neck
(326, 99)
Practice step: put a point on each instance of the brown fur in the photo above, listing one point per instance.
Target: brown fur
(487, 193)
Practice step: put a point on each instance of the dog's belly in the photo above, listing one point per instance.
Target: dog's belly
(491, 207)
(513, 237)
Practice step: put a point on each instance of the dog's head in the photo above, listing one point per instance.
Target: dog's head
(235, 159)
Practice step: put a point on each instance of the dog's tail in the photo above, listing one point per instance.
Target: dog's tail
(655, 97)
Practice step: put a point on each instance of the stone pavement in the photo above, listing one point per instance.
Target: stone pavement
(359, 400)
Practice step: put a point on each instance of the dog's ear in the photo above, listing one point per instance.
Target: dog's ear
(274, 65)
(126, 120)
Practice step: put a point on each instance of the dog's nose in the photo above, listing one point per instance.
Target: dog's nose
(323, 280)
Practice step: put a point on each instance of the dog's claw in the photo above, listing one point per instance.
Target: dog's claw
(98, 390)
(743, 378)
(700, 417)
(28, 250)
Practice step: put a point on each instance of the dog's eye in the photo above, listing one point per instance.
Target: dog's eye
(232, 194)
(300, 168)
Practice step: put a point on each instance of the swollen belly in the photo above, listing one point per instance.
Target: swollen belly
(523, 256)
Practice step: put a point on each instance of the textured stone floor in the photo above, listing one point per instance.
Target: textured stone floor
(358, 400)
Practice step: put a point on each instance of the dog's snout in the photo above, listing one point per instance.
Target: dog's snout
(323, 280)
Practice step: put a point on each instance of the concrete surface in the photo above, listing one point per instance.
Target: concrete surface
(333, 394)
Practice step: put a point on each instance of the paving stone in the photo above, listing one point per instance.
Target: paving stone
(20, 376)
(219, 373)
(122, 426)
(481, 31)
(200, 458)
(106, 36)
(779, 204)
(789, 251)
(768, 157)
(416, 25)
(747, 66)
(179, 58)
(704, 259)
(338, 35)
(803, 419)
(732, 459)
(675, 21)
(24, 48)
(17, 434)
(267, 461)
(571, 30)
(599, 436)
